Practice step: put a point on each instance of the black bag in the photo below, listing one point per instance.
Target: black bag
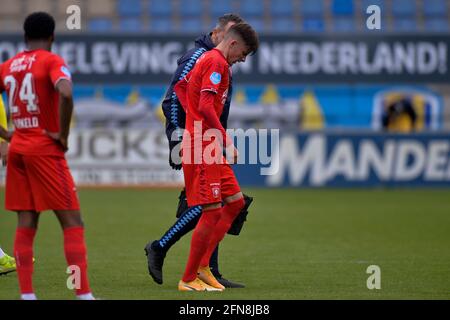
(237, 224)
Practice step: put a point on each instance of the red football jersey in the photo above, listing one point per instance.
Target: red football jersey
(210, 73)
(30, 79)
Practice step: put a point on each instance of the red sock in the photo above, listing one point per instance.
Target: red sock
(75, 251)
(199, 242)
(23, 252)
(229, 212)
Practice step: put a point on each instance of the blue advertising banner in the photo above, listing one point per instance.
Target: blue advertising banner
(353, 160)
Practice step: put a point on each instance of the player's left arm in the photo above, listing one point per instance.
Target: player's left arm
(61, 78)
(64, 88)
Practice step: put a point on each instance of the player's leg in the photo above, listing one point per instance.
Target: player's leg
(156, 250)
(199, 243)
(233, 204)
(75, 248)
(19, 198)
(23, 251)
(202, 188)
(230, 210)
(54, 189)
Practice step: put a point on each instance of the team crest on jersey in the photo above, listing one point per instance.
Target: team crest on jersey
(215, 191)
(215, 77)
(66, 71)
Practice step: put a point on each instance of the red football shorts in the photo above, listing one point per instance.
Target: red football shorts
(39, 183)
(209, 183)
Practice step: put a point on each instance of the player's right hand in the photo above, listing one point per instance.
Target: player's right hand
(57, 136)
(4, 152)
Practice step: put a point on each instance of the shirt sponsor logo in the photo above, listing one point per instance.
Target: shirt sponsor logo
(22, 63)
(215, 77)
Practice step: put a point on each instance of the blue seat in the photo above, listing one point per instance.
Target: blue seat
(191, 8)
(161, 25)
(130, 25)
(342, 7)
(343, 25)
(129, 8)
(403, 8)
(257, 24)
(312, 8)
(251, 8)
(219, 8)
(281, 8)
(436, 25)
(284, 25)
(100, 25)
(366, 3)
(191, 25)
(435, 8)
(404, 25)
(313, 25)
(159, 8)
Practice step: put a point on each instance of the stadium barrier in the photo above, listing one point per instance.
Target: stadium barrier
(358, 159)
(138, 157)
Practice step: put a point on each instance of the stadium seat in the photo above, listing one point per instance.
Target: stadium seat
(257, 24)
(403, 8)
(342, 7)
(130, 25)
(284, 25)
(191, 8)
(161, 25)
(129, 8)
(8, 24)
(100, 25)
(100, 8)
(38, 5)
(281, 8)
(313, 25)
(404, 25)
(312, 8)
(436, 25)
(159, 8)
(366, 3)
(190, 25)
(434, 8)
(11, 7)
(218, 8)
(251, 8)
(341, 24)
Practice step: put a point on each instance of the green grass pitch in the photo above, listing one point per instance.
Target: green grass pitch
(296, 244)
